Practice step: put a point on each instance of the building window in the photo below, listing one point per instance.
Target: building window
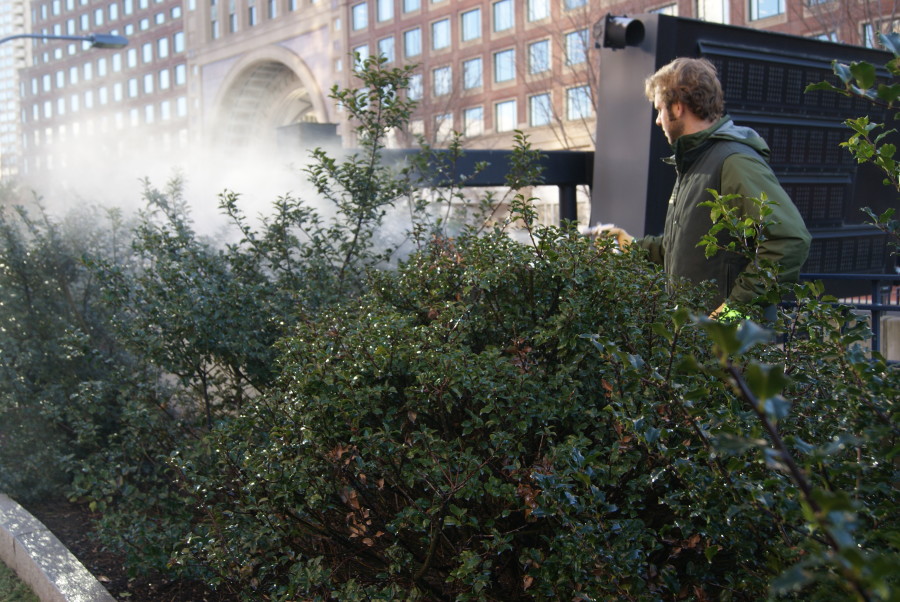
(761, 9)
(164, 80)
(178, 41)
(868, 35)
(828, 36)
(539, 110)
(505, 65)
(473, 70)
(504, 18)
(359, 16)
(668, 9)
(414, 92)
(538, 9)
(578, 103)
(132, 87)
(232, 17)
(272, 8)
(473, 121)
(165, 110)
(443, 126)
(576, 47)
(470, 22)
(147, 53)
(116, 62)
(411, 5)
(441, 81)
(570, 4)
(113, 11)
(505, 118)
(131, 58)
(148, 83)
(440, 34)
(180, 74)
(412, 42)
(162, 48)
(360, 54)
(386, 48)
(714, 11)
(251, 13)
(384, 10)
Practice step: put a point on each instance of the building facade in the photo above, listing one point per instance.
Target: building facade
(13, 56)
(80, 103)
(223, 78)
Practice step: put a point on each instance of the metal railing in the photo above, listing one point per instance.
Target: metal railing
(883, 296)
(477, 167)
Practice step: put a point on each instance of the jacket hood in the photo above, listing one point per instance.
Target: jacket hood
(724, 129)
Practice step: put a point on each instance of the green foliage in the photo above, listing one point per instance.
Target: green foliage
(12, 589)
(848, 545)
(203, 320)
(486, 420)
(453, 435)
(55, 344)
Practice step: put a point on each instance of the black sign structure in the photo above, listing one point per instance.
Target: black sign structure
(764, 75)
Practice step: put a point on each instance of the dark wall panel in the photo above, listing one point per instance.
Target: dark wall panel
(764, 76)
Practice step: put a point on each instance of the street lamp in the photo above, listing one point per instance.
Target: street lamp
(97, 40)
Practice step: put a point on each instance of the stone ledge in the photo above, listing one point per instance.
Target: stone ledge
(42, 561)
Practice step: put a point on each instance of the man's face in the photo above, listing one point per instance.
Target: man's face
(669, 119)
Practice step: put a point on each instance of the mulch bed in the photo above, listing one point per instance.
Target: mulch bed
(71, 523)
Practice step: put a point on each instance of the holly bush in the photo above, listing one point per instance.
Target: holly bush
(302, 415)
(497, 421)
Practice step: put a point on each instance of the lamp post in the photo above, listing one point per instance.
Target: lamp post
(97, 40)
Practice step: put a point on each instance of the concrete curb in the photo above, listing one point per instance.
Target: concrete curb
(42, 561)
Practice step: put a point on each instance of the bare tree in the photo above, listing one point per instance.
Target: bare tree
(856, 23)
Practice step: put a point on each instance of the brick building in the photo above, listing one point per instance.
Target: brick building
(225, 76)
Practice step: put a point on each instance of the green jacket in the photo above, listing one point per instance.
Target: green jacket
(731, 160)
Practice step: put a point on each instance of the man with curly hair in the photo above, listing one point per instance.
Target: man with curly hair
(711, 152)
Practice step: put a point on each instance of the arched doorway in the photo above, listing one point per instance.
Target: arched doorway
(269, 89)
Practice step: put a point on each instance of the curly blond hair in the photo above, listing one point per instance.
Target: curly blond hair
(692, 82)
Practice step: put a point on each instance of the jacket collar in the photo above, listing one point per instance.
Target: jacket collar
(688, 147)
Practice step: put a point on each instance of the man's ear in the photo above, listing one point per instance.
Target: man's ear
(676, 110)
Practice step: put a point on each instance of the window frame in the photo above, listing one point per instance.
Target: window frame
(508, 67)
(465, 25)
(503, 16)
(503, 104)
